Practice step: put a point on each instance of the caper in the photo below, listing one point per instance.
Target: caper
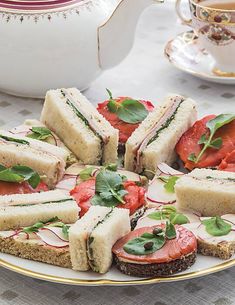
(157, 231)
(148, 245)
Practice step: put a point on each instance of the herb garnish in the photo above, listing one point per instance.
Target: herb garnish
(129, 111)
(86, 173)
(19, 173)
(38, 225)
(53, 222)
(216, 226)
(149, 243)
(40, 133)
(169, 212)
(16, 140)
(208, 141)
(170, 182)
(109, 189)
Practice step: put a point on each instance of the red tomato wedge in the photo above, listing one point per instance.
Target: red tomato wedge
(84, 192)
(184, 244)
(125, 129)
(212, 157)
(10, 188)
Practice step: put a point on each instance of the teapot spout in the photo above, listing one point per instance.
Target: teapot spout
(116, 35)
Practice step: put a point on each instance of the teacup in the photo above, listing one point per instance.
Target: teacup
(216, 31)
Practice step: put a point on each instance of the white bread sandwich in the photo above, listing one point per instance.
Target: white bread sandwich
(26, 209)
(45, 242)
(79, 125)
(154, 140)
(209, 192)
(46, 159)
(93, 236)
(35, 129)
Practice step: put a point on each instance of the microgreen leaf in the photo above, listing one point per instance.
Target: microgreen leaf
(213, 125)
(86, 173)
(109, 189)
(216, 143)
(112, 106)
(192, 157)
(129, 111)
(109, 93)
(169, 212)
(178, 218)
(169, 183)
(39, 133)
(216, 226)
(203, 139)
(19, 173)
(132, 111)
(136, 246)
(170, 230)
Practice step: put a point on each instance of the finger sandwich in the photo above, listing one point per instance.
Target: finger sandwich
(46, 159)
(79, 125)
(209, 192)
(26, 129)
(154, 140)
(93, 236)
(26, 209)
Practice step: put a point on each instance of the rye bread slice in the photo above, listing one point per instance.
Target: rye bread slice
(40, 253)
(155, 270)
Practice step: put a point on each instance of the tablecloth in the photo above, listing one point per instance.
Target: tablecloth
(146, 74)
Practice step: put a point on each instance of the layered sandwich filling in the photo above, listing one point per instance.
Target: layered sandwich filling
(87, 119)
(152, 134)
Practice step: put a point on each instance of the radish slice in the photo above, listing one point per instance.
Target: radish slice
(67, 184)
(51, 239)
(167, 170)
(57, 231)
(157, 193)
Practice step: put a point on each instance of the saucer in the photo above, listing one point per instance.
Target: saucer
(186, 54)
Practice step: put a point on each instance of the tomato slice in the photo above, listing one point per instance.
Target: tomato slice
(10, 188)
(83, 194)
(125, 129)
(85, 191)
(184, 244)
(212, 157)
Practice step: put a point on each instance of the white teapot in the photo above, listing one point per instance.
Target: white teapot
(63, 43)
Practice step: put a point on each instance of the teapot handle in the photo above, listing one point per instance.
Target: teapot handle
(180, 15)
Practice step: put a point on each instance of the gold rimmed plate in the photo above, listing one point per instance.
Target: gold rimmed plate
(185, 53)
(204, 265)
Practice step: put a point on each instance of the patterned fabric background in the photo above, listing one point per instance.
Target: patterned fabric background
(145, 73)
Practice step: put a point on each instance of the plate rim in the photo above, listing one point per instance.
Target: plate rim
(190, 71)
(108, 282)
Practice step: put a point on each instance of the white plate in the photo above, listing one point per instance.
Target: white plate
(186, 54)
(204, 265)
